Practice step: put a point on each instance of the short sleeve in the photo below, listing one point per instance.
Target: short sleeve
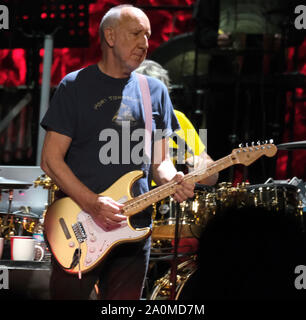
(62, 113)
(166, 121)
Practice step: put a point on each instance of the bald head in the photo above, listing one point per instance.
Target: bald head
(125, 31)
(112, 17)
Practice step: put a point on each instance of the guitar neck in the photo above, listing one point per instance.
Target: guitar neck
(141, 202)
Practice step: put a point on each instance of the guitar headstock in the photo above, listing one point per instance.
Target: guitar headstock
(248, 154)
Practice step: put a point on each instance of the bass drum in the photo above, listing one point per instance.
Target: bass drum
(162, 287)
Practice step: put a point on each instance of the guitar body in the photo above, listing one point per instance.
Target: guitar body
(68, 229)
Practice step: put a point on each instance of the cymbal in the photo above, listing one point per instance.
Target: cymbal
(13, 184)
(292, 145)
(20, 213)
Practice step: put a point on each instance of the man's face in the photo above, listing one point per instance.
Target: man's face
(131, 39)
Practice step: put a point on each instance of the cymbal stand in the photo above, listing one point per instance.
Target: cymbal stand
(2, 222)
(173, 273)
(8, 230)
(11, 227)
(11, 194)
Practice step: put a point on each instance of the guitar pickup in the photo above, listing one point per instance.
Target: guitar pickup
(79, 232)
(65, 228)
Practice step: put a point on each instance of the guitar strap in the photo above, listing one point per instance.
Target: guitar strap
(147, 104)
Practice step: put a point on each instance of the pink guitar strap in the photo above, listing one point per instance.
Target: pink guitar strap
(146, 98)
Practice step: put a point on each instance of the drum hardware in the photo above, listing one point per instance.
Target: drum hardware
(15, 223)
(194, 214)
(7, 224)
(228, 195)
(18, 223)
(163, 286)
(47, 183)
(161, 244)
(25, 221)
(173, 273)
(8, 185)
(174, 227)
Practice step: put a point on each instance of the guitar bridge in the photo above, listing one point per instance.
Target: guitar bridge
(79, 232)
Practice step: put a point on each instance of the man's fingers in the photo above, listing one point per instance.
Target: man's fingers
(184, 193)
(118, 204)
(117, 217)
(184, 189)
(110, 205)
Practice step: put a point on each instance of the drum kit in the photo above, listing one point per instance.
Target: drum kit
(22, 221)
(278, 197)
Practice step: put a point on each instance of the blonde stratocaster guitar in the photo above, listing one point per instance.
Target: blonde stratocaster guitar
(79, 244)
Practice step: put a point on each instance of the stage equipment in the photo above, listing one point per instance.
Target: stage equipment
(25, 193)
(297, 145)
(66, 20)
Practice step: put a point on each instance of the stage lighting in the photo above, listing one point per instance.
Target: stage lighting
(66, 20)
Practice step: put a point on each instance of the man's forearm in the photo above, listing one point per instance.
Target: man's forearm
(65, 179)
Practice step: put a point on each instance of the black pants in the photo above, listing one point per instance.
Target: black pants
(120, 276)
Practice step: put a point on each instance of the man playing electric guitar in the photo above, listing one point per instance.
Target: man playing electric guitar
(93, 113)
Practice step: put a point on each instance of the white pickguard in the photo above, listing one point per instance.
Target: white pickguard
(99, 239)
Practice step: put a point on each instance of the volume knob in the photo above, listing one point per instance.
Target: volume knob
(92, 249)
(93, 239)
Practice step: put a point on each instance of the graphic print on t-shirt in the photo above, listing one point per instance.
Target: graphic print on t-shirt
(125, 113)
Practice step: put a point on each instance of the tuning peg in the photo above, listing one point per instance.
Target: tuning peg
(271, 141)
(246, 145)
(258, 143)
(266, 141)
(240, 145)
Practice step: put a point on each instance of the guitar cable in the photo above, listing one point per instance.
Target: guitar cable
(79, 262)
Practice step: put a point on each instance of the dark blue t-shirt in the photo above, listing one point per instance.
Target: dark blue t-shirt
(101, 114)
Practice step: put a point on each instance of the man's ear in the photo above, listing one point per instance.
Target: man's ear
(109, 36)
